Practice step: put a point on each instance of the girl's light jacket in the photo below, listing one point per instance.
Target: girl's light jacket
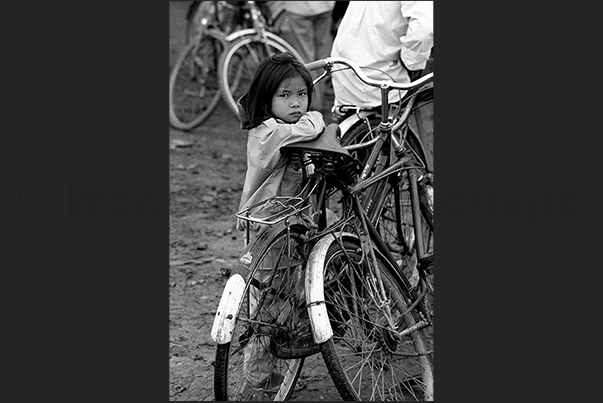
(268, 172)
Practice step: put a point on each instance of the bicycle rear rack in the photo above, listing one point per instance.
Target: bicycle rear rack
(273, 210)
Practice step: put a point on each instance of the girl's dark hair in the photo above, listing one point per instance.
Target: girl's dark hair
(269, 75)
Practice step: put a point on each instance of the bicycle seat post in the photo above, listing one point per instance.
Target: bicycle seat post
(385, 124)
(385, 88)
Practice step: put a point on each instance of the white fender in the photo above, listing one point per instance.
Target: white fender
(240, 33)
(351, 120)
(224, 322)
(251, 33)
(315, 297)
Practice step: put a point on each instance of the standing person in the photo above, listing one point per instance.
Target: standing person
(392, 39)
(338, 13)
(275, 111)
(307, 26)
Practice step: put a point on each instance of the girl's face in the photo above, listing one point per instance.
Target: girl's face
(290, 101)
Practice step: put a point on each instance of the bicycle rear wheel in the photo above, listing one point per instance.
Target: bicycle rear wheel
(265, 356)
(239, 63)
(366, 359)
(194, 91)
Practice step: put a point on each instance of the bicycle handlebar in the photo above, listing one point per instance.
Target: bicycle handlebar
(329, 61)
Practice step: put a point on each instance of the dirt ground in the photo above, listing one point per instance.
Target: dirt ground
(207, 170)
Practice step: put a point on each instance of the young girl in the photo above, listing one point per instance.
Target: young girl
(275, 111)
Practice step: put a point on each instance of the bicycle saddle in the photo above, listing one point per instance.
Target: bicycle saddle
(326, 143)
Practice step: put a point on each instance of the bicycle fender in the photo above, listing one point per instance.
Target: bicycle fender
(351, 121)
(237, 34)
(251, 32)
(224, 321)
(314, 287)
(284, 43)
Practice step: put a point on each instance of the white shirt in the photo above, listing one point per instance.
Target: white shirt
(309, 7)
(266, 167)
(305, 8)
(379, 35)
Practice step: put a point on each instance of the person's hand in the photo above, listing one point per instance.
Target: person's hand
(429, 66)
(415, 74)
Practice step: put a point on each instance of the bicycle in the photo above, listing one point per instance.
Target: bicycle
(398, 203)
(248, 47)
(229, 15)
(196, 87)
(301, 285)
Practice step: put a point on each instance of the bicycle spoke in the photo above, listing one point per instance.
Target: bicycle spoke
(375, 356)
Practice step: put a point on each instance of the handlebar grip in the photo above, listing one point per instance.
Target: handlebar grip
(316, 64)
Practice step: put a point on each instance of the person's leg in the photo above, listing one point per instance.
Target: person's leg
(261, 369)
(323, 43)
(258, 361)
(298, 31)
(257, 365)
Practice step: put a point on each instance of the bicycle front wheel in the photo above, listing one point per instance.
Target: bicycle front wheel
(239, 63)
(265, 356)
(194, 91)
(374, 353)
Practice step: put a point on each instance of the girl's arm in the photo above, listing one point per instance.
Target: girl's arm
(280, 134)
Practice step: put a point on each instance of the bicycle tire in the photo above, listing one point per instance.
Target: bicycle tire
(269, 249)
(239, 63)
(364, 359)
(194, 92)
(191, 23)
